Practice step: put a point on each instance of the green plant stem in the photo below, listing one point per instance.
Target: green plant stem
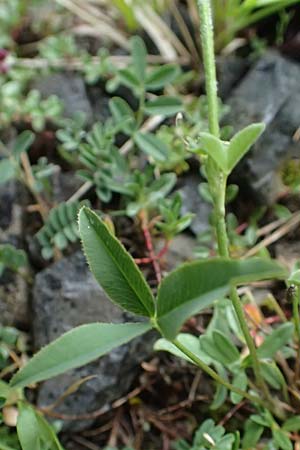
(295, 300)
(214, 374)
(220, 224)
(218, 186)
(296, 311)
(140, 112)
(208, 54)
(250, 343)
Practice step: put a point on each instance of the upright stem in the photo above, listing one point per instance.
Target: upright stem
(250, 343)
(219, 217)
(295, 299)
(214, 374)
(208, 54)
(217, 179)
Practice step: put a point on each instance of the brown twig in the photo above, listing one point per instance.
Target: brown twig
(279, 233)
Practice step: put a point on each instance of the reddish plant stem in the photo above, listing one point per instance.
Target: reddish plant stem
(162, 252)
(149, 245)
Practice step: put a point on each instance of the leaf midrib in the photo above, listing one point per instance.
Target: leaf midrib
(120, 269)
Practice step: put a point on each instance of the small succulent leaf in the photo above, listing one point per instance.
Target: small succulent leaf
(214, 148)
(139, 56)
(161, 76)
(76, 348)
(27, 429)
(221, 393)
(276, 340)
(241, 143)
(272, 374)
(219, 348)
(240, 381)
(253, 432)
(129, 79)
(282, 440)
(196, 285)
(34, 432)
(165, 106)
(292, 424)
(113, 267)
(223, 344)
(22, 143)
(7, 170)
(123, 114)
(188, 340)
(152, 146)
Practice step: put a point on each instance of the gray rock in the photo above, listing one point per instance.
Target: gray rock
(66, 295)
(269, 93)
(193, 203)
(70, 88)
(181, 250)
(231, 68)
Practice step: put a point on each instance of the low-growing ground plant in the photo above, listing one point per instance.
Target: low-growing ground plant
(253, 376)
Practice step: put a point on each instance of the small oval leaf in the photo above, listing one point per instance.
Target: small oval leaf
(241, 143)
(165, 106)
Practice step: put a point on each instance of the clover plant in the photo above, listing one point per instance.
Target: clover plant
(187, 290)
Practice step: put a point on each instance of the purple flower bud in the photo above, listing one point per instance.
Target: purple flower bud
(3, 67)
(3, 54)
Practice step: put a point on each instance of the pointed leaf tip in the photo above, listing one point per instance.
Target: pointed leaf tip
(113, 267)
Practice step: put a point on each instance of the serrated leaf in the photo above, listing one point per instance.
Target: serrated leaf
(113, 267)
(241, 143)
(276, 340)
(152, 146)
(76, 348)
(161, 76)
(165, 106)
(194, 286)
(139, 55)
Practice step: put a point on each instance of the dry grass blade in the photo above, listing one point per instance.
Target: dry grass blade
(185, 32)
(163, 37)
(276, 235)
(107, 29)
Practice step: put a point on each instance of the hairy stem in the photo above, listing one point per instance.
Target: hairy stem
(217, 180)
(208, 54)
(214, 374)
(295, 299)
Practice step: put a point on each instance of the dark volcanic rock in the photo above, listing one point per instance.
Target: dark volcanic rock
(66, 295)
(269, 93)
(231, 68)
(70, 88)
(192, 202)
